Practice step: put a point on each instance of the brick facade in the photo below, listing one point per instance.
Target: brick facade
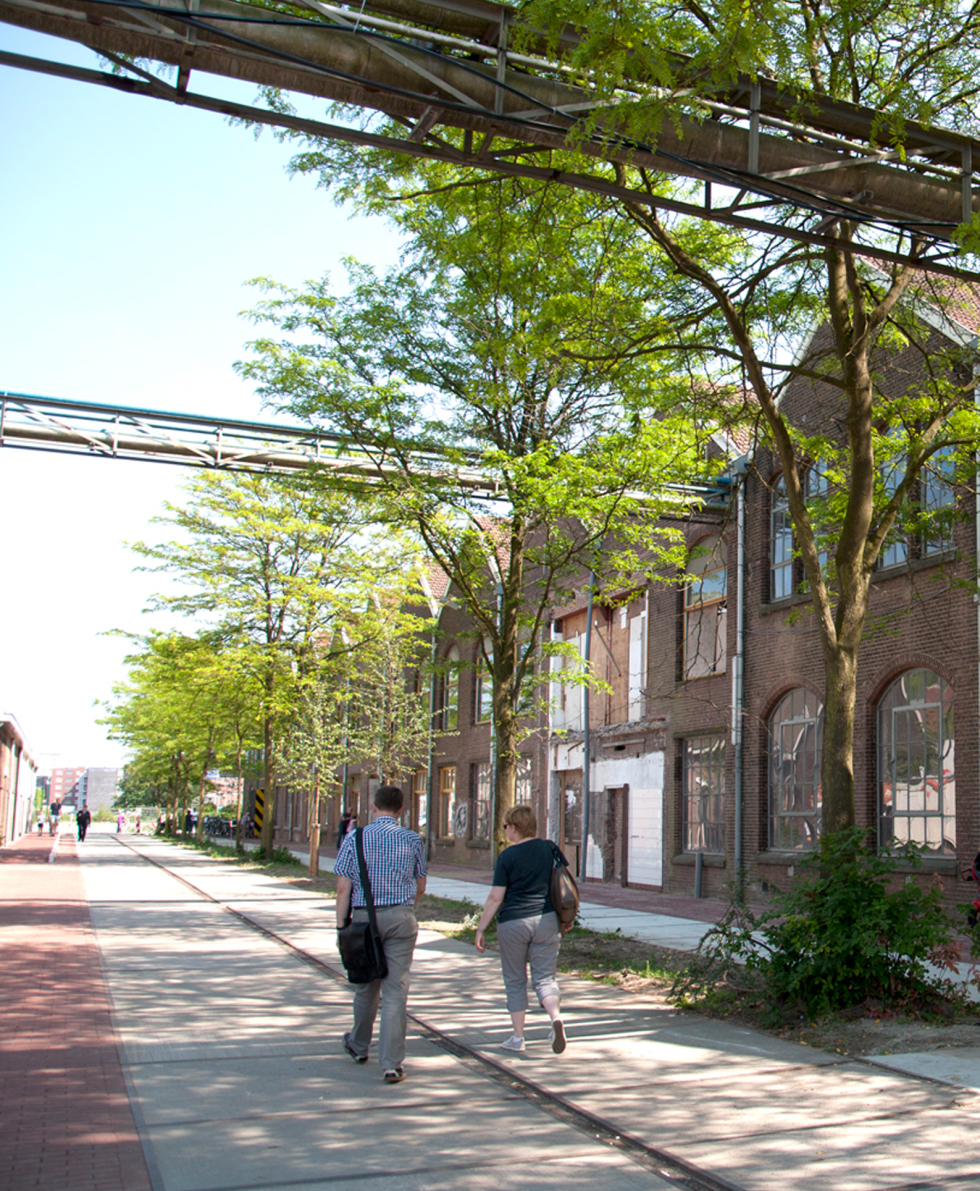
(663, 762)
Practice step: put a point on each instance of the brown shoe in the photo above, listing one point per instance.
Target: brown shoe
(395, 1076)
(558, 1042)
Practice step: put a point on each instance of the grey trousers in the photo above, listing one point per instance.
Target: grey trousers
(398, 930)
(533, 941)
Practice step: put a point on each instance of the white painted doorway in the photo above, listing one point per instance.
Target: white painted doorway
(644, 823)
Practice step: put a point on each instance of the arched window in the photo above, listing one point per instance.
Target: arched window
(795, 797)
(706, 610)
(916, 772)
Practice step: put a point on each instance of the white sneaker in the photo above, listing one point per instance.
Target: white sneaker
(513, 1043)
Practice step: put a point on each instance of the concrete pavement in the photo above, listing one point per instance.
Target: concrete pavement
(229, 1044)
(664, 930)
(232, 1047)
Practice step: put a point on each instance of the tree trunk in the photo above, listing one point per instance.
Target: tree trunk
(837, 762)
(270, 787)
(238, 797)
(313, 821)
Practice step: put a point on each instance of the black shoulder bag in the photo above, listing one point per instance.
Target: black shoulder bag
(564, 890)
(360, 942)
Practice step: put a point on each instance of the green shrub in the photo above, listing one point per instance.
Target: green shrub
(842, 934)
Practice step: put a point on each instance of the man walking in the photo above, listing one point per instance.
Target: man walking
(395, 859)
(82, 820)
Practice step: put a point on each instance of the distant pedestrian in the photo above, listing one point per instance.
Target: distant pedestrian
(139, 825)
(40, 822)
(528, 931)
(188, 822)
(55, 816)
(120, 823)
(395, 860)
(82, 820)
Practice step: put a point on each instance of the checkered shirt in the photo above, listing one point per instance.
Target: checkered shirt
(395, 859)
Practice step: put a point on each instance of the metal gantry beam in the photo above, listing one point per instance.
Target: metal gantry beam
(56, 425)
(448, 64)
(64, 427)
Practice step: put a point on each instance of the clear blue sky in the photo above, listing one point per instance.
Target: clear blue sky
(129, 229)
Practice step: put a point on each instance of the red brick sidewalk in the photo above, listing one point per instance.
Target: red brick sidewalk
(66, 1120)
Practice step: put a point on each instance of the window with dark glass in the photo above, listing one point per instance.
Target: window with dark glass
(703, 810)
(937, 499)
(932, 499)
(795, 796)
(916, 769)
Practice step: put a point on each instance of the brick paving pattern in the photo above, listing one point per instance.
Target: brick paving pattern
(67, 1121)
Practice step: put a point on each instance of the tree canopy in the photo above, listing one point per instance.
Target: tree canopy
(512, 340)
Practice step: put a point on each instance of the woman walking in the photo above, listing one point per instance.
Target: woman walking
(528, 932)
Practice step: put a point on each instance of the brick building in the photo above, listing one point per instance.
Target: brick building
(704, 745)
(18, 781)
(63, 781)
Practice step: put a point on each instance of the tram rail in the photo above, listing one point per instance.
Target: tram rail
(656, 1160)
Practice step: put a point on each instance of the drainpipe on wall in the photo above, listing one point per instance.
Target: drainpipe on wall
(586, 742)
(499, 593)
(976, 598)
(740, 469)
(430, 769)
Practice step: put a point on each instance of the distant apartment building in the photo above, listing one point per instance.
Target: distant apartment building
(62, 781)
(97, 789)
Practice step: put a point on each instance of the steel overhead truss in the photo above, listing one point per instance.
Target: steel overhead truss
(58, 426)
(119, 432)
(438, 64)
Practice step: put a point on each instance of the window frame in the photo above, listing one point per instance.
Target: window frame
(420, 799)
(447, 801)
(781, 568)
(524, 782)
(481, 796)
(805, 716)
(482, 691)
(703, 755)
(943, 779)
(449, 692)
(697, 608)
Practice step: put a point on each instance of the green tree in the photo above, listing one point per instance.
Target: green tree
(275, 566)
(509, 345)
(170, 714)
(353, 702)
(738, 307)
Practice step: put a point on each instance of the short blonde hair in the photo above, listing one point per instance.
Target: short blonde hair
(523, 820)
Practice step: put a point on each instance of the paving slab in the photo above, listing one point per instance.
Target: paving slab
(244, 1102)
(232, 1049)
(959, 1067)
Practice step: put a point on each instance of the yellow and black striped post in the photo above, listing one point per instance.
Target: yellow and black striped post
(259, 812)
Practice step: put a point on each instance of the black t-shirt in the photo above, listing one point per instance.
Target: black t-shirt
(525, 869)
